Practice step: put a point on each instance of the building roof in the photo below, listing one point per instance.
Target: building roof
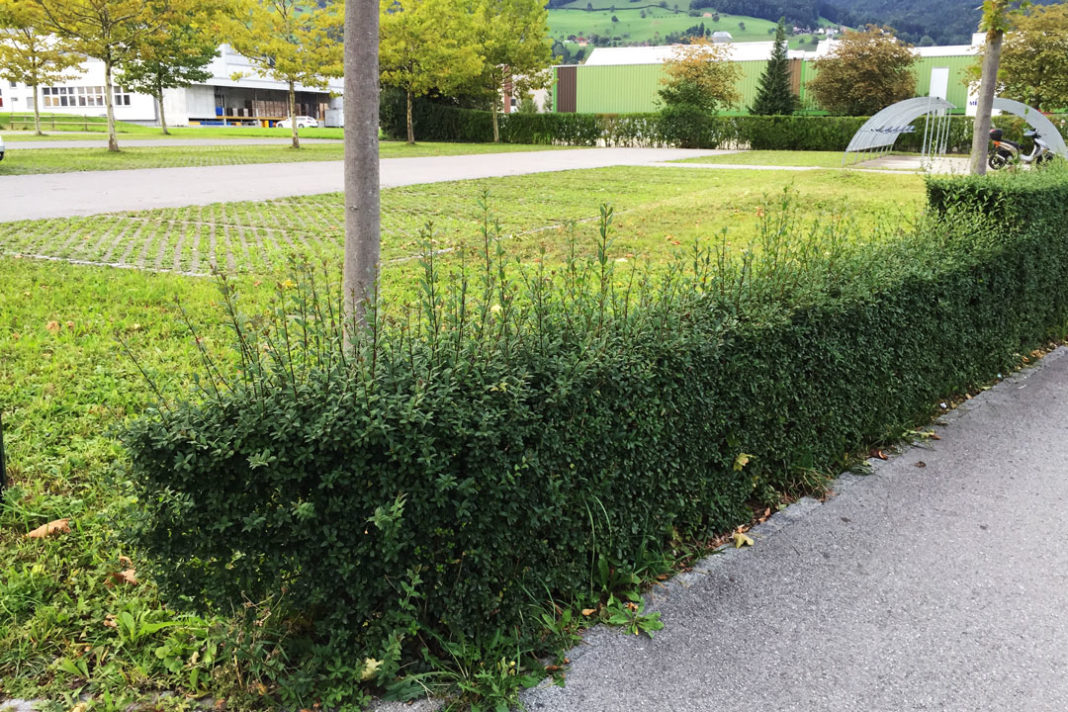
(750, 51)
(740, 52)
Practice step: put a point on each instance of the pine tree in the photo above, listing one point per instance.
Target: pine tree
(774, 97)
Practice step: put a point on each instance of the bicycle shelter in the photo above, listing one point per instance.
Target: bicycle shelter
(879, 133)
(1036, 120)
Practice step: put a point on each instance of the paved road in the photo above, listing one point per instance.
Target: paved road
(936, 587)
(90, 193)
(283, 140)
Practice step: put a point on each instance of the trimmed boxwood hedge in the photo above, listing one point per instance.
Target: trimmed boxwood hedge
(445, 473)
(440, 122)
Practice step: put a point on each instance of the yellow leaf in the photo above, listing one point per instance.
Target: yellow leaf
(370, 667)
(741, 540)
(59, 526)
(741, 461)
(588, 611)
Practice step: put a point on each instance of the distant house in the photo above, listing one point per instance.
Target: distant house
(252, 99)
(722, 36)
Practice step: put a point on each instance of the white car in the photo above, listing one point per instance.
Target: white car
(303, 122)
(1, 148)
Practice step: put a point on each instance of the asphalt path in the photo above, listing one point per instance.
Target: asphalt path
(937, 582)
(51, 195)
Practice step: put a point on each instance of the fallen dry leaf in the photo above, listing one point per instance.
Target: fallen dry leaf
(934, 436)
(59, 526)
(879, 454)
(52, 326)
(110, 621)
(588, 611)
(741, 540)
(127, 576)
(921, 463)
(125, 561)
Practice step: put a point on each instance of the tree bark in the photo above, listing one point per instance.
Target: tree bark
(408, 119)
(293, 113)
(162, 117)
(987, 88)
(36, 114)
(109, 103)
(496, 123)
(362, 211)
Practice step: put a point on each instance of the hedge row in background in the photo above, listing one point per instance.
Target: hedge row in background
(454, 469)
(438, 122)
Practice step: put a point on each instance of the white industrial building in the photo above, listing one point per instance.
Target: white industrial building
(250, 99)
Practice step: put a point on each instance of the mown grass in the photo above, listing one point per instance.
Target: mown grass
(64, 125)
(798, 159)
(67, 160)
(657, 211)
(72, 624)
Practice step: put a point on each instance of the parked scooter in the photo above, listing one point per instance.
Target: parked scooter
(1006, 151)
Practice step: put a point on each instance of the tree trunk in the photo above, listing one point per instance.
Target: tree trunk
(293, 113)
(362, 216)
(36, 114)
(496, 123)
(987, 87)
(109, 102)
(162, 117)
(408, 118)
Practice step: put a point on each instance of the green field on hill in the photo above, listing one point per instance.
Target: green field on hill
(651, 24)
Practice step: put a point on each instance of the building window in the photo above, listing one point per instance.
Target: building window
(82, 96)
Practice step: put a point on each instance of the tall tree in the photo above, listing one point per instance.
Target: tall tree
(868, 71)
(996, 19)
(291, 41)
(427, 45)
(108, 30)
(513, 37)
(174, 56)
(774, 96)
(362, 211)
(1034, 58)
(29, 55)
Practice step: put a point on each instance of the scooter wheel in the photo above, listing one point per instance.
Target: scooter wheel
(997, 161)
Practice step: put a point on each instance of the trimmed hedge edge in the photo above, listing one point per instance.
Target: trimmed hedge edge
(438, 482)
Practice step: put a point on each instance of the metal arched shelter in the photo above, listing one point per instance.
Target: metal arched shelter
(1036, 120)
(879, 133)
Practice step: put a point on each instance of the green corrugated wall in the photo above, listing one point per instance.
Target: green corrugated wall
(632, 88)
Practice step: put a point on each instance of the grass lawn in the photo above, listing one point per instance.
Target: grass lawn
(67, 160)
(20, 128)
(72, 622)
(820, 159)
(657, 210)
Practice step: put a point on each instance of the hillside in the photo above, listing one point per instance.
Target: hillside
(919, 21)
(577, 26)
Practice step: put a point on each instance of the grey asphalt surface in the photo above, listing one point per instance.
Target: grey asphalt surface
(27, 197)
(934, 587)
